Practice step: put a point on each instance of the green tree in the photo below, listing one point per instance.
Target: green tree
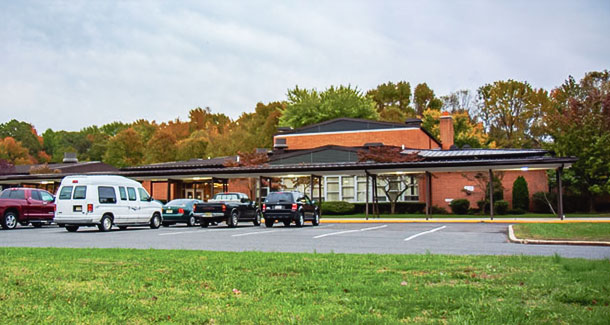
(392, 101)
(256, 130)
(306, 107)
(192, 147)
(466, 131)
(161, 147)
(125, 149)
(24, 133)
(511, 112)
(521, 194)
(112, 129)
(579, 124)
(424, 98)
(458, 102)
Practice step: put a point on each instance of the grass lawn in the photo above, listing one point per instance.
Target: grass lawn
(570, 231)
(418, 215)
(55, 285)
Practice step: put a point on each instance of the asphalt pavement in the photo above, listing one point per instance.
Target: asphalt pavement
(373, 238)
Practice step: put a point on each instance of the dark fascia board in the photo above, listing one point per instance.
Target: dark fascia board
(357, 120)
(299, 152)
(218, 161)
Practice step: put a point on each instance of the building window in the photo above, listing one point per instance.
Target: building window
(332, 188)
(347, 188)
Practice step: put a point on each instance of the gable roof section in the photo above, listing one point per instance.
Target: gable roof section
(193, 163)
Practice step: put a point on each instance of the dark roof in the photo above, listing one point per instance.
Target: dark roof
(323, 154)
(79, 167)
(213, 162)
(476, 154)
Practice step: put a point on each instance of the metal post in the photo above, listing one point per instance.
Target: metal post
(169, 190)
(558, 173)
(320, 195)
(260, 191)
(366, 207)
(491, 194)
(152, 188)
(375, 197)
(428, 194)
(311, 186)
(212, 188)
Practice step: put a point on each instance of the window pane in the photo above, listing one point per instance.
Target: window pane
(122, 193)
(332, 196)
(132, 193)
(80, 192)
(36, 195)
(106, 194)
(143, 194)
(333, 187)
(332, 179)
(348, 191)
(65, 193)
(46, 196)
(348, 181)
(17, 194)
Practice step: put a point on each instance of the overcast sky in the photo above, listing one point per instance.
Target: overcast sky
(67, 65)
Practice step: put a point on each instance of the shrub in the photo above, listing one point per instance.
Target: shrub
(337, 207)
(500, 207)
(460, 206)
(483, 206)
(516, 211)
(401, 207)
(521, 195)
(540, 204)
(438, 210)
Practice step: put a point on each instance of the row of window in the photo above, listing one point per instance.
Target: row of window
(20, 195)
(106, 194)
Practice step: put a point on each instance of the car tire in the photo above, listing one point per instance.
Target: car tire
(269, 223)
(155, 221)
(61, 225)
(105, 224)
(37, 224)
(191, 221)
(316, 219)
(9, 221)
(300, 220)
(166, 224)
(204, 224)
(257, 219)
(233, 219)
(286, 223)
(71, 228)
(122, 227)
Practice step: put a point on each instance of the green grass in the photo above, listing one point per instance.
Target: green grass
(419, 215)
(564, 231)
(55, 285)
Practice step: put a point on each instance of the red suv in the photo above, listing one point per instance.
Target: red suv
(24, 206)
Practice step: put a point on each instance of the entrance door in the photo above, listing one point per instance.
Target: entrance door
(194, 194)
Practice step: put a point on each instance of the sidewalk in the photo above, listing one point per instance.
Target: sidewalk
(463, 220)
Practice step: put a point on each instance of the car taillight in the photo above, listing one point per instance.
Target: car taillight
(181, 210)
(294, 207)
(264, 206)
(89, 207)
(224, 208)
(194, 207)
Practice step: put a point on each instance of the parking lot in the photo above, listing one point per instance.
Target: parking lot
(409, 238)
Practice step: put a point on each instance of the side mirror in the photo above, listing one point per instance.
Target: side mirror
(243, 200)
(150, 199)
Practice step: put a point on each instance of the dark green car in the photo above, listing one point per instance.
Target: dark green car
(179, 211)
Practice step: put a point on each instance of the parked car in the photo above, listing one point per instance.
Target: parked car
(25, 206)
(290, 206)
(180, 211)
(104, 201)
(227, 207)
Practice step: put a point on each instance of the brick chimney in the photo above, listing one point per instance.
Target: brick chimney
(446, 130)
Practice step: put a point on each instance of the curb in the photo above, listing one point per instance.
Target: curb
(322, 220)
(512, 238)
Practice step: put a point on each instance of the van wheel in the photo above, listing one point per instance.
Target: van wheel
(257, 218)
(300, 220)
(37, 224)
(191, 221)
(105, 224)
(155, 221)
(71, 228)
(10, 220)
(316, 219)
(122, 227)
(233, 219)
(269, 223)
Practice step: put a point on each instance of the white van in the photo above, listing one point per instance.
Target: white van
(103, 201)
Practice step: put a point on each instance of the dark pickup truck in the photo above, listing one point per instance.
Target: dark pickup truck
(24, 206)
(231, 208)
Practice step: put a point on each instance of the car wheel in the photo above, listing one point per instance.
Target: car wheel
(71, 228)
(191, 221)
(166, 224)
(233, 219)
(37, 224)
(300, 220)
(287, 223)
(10, 220)
(269, 223)
(122, 227)
(257, 218)
(105, 223)
(155, 221)
(204, 224)
(316, 219)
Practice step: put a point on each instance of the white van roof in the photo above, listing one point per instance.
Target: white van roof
(98, 180)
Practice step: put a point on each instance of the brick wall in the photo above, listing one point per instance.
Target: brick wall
(410, 138)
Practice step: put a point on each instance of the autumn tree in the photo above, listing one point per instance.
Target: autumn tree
(194, 146)
(125, 149)
(256, 129)
(459, 102)
(511, 112)
(424, 98)
(14, 153)
(579, 124)
(306, 107)
(161, 147)
(466, 130)
(392, 101)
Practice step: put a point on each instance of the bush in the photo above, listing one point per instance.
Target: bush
(337, 207)
(539, 202)
(401, 207)
(500, 207)
(521, 195)
(483, 206)
(438, 210)
(460, 206)
(516, 211)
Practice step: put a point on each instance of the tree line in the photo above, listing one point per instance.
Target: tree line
(572, 119)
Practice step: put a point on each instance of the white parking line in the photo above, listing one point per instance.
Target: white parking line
(349, 231)
(425, 232)
(254, 233)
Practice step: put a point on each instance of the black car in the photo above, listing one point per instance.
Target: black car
(290, 206)
(227, 207)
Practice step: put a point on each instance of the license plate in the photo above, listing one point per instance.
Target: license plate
(207, 214)
(279, 207)
(77, 208)
(169, 211)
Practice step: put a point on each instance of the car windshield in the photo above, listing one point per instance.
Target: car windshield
(179, 202)
(279, 197)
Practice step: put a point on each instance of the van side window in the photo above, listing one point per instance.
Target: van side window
(122, 193)
(143, 194)
(132, 193)
(36, 195)
(106, 194)
(65, 193)
(80, 192)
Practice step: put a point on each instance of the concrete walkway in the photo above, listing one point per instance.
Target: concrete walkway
(463, 220)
